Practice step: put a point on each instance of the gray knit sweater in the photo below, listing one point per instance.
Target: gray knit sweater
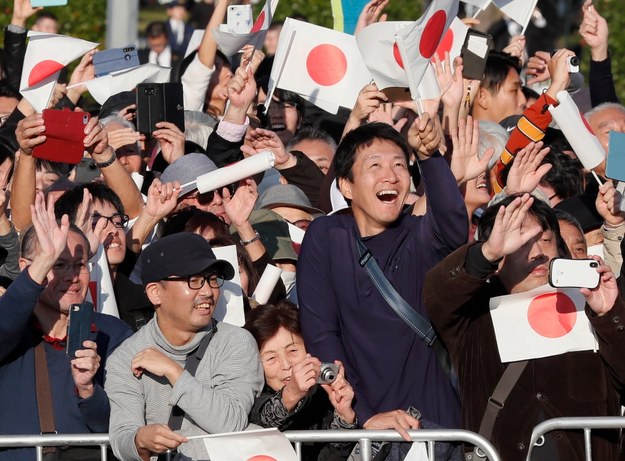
(218, 399)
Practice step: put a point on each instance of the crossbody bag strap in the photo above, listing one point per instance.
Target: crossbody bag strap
(44, 394)
(190, 365)
(420, 325)
(497, 400)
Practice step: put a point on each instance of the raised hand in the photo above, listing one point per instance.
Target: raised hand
(538, 67)
(84, 71)
(508, 233)
(341, 395)
(162, 199)
(30, 133)
(371, 13)
(239, 206)
(594, 30)
(516, 47)
(465, 163)
(384, 114)
(171, 140)
(84, 220)
(304, 375)
(22, 11)
(259, 140)
(602, 299)
(425, 136)
(84, 367)
(608, 204)
(526, 170)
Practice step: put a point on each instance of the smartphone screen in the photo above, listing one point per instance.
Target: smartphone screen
(78, 327)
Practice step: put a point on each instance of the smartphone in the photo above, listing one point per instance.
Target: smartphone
(86, 171)
(240, 19)
(35, 3)
(474, 53)
(573, 273)
(79, 327)
(615, 161)
(115, 59)
(65, 132)
(159, 102)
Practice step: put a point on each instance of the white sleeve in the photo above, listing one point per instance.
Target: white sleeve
(195, 83)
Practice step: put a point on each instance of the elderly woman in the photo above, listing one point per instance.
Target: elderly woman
(292, 398)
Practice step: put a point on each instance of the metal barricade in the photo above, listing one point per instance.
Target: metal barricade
(586, 423)
(365, 437)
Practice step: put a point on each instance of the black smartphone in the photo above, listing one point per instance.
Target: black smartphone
(474, 54)
(86, 171)
(159, 102)
(79, 327)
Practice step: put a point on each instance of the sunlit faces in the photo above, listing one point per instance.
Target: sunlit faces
(68, 280)
(278, 356)
(283, 119)
(509, 100)
(528, 267)
(181, 308)
(476, 192)
(379, 187)
(113, 238)
(318, 151)
(604, 121)
(45, 178)
(574, 239)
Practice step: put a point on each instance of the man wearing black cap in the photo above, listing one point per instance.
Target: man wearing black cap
(153, 388)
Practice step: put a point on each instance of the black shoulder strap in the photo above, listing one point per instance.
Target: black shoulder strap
(420, 325)
(191, 364)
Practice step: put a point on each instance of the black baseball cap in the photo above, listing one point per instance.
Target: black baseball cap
(180, 255)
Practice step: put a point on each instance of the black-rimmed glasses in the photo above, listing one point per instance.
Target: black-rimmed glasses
(196, 282)
(118, 220)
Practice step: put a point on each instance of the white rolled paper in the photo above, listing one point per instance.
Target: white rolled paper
(266, 284)
(235, 172)
(569, 119)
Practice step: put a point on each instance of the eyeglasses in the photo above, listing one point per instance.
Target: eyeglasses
(207, 197)
(301, 223)
(196, 282)
(63, 267)
(118, 220)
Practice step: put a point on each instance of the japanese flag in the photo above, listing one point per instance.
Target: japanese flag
(452, 40)
(263, 21)
(126, 80)
(101, 286)
(418, 42)
(481, 4)
(258, 445)
(541, 323)
(380, 52)
(45, 57)
(319, 64)
(520, 11)
(577, 131)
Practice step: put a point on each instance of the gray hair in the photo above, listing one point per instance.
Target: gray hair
(198, 126)
(313, 133)
(605, 105)
(492, 135)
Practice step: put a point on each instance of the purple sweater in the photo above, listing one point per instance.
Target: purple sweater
(344, 317)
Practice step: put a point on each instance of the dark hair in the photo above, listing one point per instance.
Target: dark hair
(563, 215)
(61, 169)
(362, 137)
(265, 321)
(242, 257)
(498, 65)
(309, 132)
(156, 29)
(540, 211)
(69, 202)
(29, 243)
(293, 98)
(44, 14)
(564, 177)
(7, 91)
(191, 218)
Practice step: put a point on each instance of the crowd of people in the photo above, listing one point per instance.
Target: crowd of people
(412, 222)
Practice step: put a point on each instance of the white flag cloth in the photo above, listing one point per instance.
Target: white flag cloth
(319, 63)
(452, 40)
(481, 4)
(577, 131)
(541, 323)
(103, 88)
(520, 11)
(101, 286)
(259, 445)
(266, 284)
(230, 304)
(46, 55)
(418, 42)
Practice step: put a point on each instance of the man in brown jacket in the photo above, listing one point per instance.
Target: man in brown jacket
(518, 241)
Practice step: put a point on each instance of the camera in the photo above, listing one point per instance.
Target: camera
(572, 62)
(328, 374)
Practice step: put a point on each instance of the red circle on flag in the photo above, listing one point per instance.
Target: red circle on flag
(262, 458)
(552, 315)
(397, 55)
(445, 45)
(326, 64)
(43, 70)
(432, 33)
(259, 22)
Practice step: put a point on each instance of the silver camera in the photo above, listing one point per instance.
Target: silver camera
(329, 372)
(573, 64)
